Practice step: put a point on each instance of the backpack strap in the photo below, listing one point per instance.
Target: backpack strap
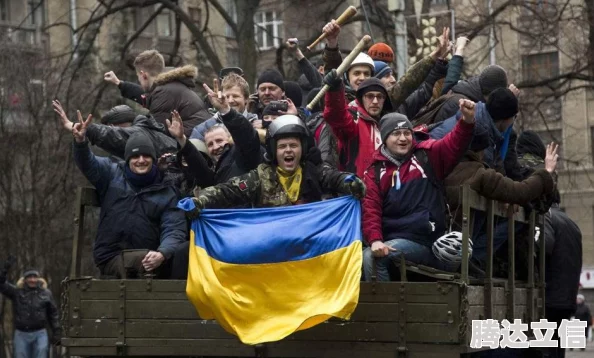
(378, 171)
(423, 159)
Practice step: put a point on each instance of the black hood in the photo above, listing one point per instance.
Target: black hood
(529, 142)
(149, 123)
(470, 88)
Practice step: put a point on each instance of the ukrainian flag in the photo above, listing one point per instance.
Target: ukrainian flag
(266, 273)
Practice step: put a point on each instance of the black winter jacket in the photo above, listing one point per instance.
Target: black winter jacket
(239, 158)
(33, 308)
(563, 246)
(113, 139)
(132, 91)
(131, 218)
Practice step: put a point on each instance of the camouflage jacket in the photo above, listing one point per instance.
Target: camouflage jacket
(412, 79)
(261, 188)
(531, 160)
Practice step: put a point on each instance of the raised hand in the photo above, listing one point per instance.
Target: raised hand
(176, 128)
(515, 90)
(216, 97)
(443, 43)
(461, 43)
(551, 158)
(332, 30)
(467, 107)
(111, 78)
(293, 48)
(79, 130)
(63, 117)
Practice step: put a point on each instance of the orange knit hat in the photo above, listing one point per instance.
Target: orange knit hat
(381, 52)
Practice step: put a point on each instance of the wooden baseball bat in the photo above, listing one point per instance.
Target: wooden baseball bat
(347, 14)
(346, 63)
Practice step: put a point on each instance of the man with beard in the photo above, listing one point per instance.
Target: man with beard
(355, 127)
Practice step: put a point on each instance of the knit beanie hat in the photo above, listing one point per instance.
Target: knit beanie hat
(381, 69)
(118, 115)
(31, 273)
(502, 104)
(491, 78)
(381, 52)
(391, 122)
(138, 144)
(529, 142)
(271, 76)
(293, 91)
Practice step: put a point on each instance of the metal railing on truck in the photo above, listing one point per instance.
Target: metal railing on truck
(149, 317)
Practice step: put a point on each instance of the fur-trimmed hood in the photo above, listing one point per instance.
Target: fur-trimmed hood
(185, 74)
(42, 283)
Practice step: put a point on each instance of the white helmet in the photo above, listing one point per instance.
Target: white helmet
(448, 248)
(362, 59)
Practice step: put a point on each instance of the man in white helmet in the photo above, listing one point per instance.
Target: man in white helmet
(361, 69)
(412, 79)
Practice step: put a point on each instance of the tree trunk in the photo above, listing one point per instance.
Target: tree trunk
(246, 39)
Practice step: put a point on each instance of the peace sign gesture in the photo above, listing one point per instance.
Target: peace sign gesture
(79, 129)
(216, 97)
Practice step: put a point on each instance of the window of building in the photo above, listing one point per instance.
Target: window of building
(36, 12)
(557, 137)
(269, 30)
(439, 2)
(231, 8)
(592, 141)
(37, 93)
(4, 10)
(195, 15)
(165, 23)
(232, 57)
(141, 16)
(540, 66)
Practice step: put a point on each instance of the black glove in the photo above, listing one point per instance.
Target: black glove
(7, 265)
(355, 186)
(196, 212)
(333, 80)
(9, 262)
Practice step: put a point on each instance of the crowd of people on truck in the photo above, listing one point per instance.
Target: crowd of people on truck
(401, 146)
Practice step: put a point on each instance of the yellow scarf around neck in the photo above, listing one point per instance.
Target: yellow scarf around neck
(291, 182)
